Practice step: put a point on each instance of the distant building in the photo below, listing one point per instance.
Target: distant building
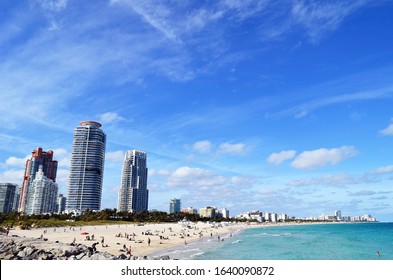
(222, 213)
(267, 216)
(38, 158)
(190, 210)
(15, 206)
(338, 215)
(61, 203)
(207, 212)
(7, 196)
(174, 205)
(86, 168)
(133, 192)
(282, 217)
(43, 193)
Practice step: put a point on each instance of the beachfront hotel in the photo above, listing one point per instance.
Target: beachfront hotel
(174, 205)
(133, 192)
(7, 197)
(86, 168)
(49, 168)
(42, 195)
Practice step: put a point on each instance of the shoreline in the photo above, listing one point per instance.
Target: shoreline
(208, 242)
(141, 239)
(151, 240)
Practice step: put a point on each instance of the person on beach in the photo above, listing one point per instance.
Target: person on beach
(148, 241)
(129, 251)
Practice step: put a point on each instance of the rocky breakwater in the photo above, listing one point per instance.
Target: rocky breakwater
(22, 248)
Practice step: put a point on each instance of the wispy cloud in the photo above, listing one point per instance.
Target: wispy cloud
(362, 193)
(110, 117)
(202, 146)
(115, 156)
(188, 177)
(383, 170)
(319, 18)
(323, 157)
(332, 180)
(387, 131)
(233, 149)
(19, 162)
(53, 5)
(277, 158)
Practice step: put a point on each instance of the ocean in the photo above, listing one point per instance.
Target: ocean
(346, 241)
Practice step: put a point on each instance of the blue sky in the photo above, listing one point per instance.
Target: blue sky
(278, 106)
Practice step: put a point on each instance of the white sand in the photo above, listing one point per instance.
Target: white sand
(115, 236)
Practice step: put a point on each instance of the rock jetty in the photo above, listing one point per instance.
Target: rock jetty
(22, 248)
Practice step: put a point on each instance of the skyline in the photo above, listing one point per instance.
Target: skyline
(248, 105)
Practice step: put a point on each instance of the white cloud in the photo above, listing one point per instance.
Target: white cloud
(335, 180)
(277, 158)
(62, 156)
(62, 176)
(187, 177)
(233, 149)
(323, 157)
(387, 131)
(12, 176)
(202, 147)
(110, 117)
(115, 156)
(383, 170)
(14, 161)
(53, 5)
(243, 181)
(321, 17)
(362, 193)
(161, 172)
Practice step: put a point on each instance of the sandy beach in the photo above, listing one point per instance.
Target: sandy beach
(142, 239)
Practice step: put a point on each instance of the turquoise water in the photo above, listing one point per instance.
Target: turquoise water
(359, 241)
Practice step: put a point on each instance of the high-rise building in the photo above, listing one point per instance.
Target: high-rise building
(15, 206)
(49, 167)
(223, 213)
(61, 203)
(208, 212)
(174, 205)
(338, 215)
(133, 192)
(86, 168)
(42, 196)
(7, 196)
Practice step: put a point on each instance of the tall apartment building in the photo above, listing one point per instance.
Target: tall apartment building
(49, 167)
(43, 195)
(86, 168)
(133, 192)
(208, 212)
(7, 196)
(61, 203)
(174, 205)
